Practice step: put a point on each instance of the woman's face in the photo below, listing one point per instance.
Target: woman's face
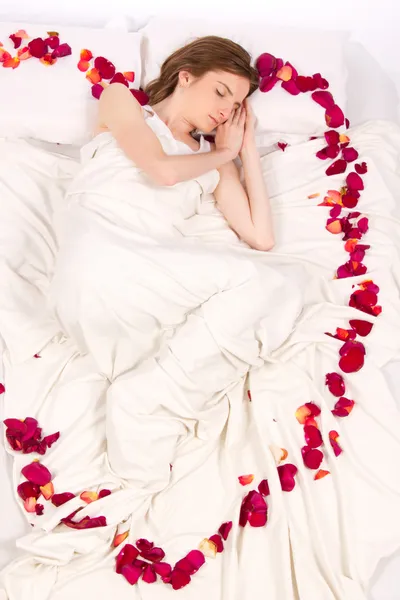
(210, 99)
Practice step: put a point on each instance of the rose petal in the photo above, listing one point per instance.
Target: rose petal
(354, 181)
(335, 211)
(104, 493)
(245, 479)
(30, 504)
(39, 508)
(225, 529)
(191, 563)
(332, 137)
(332, 151)
(282, 146)
(339, 166)
(333, 438)
(28, 490)
(208, 548)
(49, 440)
(343, 407)
(352, 361)
(131, 573)
(320, 81)
(119, 78)
(119, 538)
(149, 575)
(83, 65)
(291, 87)
(154, 554)
(89, 497)
(97, 90)
(258, 519)
(286, 476)
(37, 473)
(362, 328)
(179, 579)
(144, 545)
(312, 436)
(335, 384)
(37, 47)
(86, 55)
(93, 76)
(361, 168)
(140, 96)
(126, 556)
(129, 76)
(48, 60)
(349, 201)
(59, 499)
(163, 569)
(334, 116)
(15, 40)
(47, 490)
(86, 523)
(334, 226)
(320, 474)
(61, 51)
(52, 41)
(217, 540)
(312, 458)
(349, 154)
(16, 425)
(105, 67)
(285, 73)
(266, 64)
(11, 63)
(267, 83)
(324, 99)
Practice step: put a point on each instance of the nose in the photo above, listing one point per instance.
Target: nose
(224, 112)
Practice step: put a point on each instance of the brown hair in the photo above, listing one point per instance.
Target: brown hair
(208, 53)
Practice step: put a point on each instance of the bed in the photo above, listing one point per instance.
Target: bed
(371, 121)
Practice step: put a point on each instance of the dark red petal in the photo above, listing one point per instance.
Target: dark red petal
(267, 83)
(350, 344)
(263, 487)
(28, 490)
(258, 519)
(2, 389)
(332, 151)
(16, 426)
(354, 181)
(218, 542)
(153, 555)
(104, 493)
(352, 361)
(125, 556)
(266, 64)
(119, 78)
(361, 168)
(349, 154)
(105, 67)
(334, 116)
(131, 573)
(31, 427)
(315, 411)
(363, 225)
(286, 476)
(335, 211)
(347, 122)
(140, 96)
(332, 137)
(282, 146)
(39, 508)
(59, 499)
(312, 458)
(305, 84)
(149, 575)
(53, 42)
(225, 529)
(312, 436)
(339, 166)
(335, 384)
(61, 51)
(15, 40)
(163, 569)
(37, 48)
(321, 154)
(324, 99)
(196, 559)
(86, 523)
(37, 473)
(97, 90)
(349, 201)
(333, 437)
(179, 579)
(291, 87)
(320, 81)
(362, 328)
(144, 545)
(49, 440)
(343, 407)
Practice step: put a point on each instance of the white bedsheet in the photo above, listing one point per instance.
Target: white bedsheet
(337, 526)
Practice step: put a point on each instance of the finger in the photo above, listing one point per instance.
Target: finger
(243, 117)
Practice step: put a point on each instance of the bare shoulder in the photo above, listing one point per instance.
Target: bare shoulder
(117, 102)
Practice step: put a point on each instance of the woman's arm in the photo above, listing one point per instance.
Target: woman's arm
(120, 113)
(247, 211)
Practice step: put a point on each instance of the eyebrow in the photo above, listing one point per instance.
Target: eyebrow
(229, 91)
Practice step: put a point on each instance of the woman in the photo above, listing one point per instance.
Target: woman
(202, 87)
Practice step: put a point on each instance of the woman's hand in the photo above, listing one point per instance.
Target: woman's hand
(249, 127)
(229, 135)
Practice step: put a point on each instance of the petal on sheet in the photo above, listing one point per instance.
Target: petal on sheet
(267, 83)
(266, 64)
(263, 488)
(93, 76)
(30, 504)
(149, 575)
(140, 96)
(225, 529)
(332, 151)
(119, 78)
(312, 457)
(343, 407)
(52, 41)
(217, 540)
(353, 361)
(163, 569)
(131, 573)
(334, 440)
(37, 473)
(86, 55)
(324, 99)
(97, 90)
(11, 63)
(126, 556)
(339, 166)
(51, 439)
(16, 40)
(83, 65)
(208, 548)
(286, 476)
(349, 201)
(37, 47)
(334, 116)
(361, 168)
(312, 436)
(349, 154)
(334, 226)
(105, 67)
(332, 137)
(179, 579)
(27, 490)
(354, 181)
(285, 73)
(291, 87)
(60, 499)
(39, 509)
(61, 51)
(119, 538)
(245, 479)
(47, 490)
(335, 384)
(362, 328)
(89, 497)
(321, 474)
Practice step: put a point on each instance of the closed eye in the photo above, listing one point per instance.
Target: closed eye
(219, 94)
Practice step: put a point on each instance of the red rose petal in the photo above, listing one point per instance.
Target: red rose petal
(349, 154)
(37, 48)
(86, 523)
(343, 407)
(324, 99)
(320, 81)
(267, 83)
(144, 545)
(286, 476)
(332, 151)
(15, 40)
(31, 427)
(119, 78)
(153, 555)
(140, 96)
(335, 211)
(349, 201)
(306, 84)
(349, 345)
(266, 64)
(332, 137)
(16, 426)
(37, 473)
(49, 440)
(105, 67)
(52, 42)
(321, 154)
(218, 542)
(126, 556)
(39, 508)
(334, 116)
(312, 436)
(333, 438)
(291, 87)
(335, 384)
(163, 569)
(339, 166)
(312, 458)
(258, 519)
(282, 146)
(179, 579)
(191, 563)
(263, 487)
(354, 181)
(131, 573)
(2, 389)
(362, 328)
(61, 51)
(59, 499)
(104, 493)
(245, 479)
(97, 90)
(28, 490)
(149, 575)
(361, 168)
(225, 530)
(352, 361)
(347, 122)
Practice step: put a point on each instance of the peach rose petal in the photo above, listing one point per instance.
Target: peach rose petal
(89, 497)
(93, 76)
(86, 55)
(321, 474)
(47, 490)
(129, 76)
(245, 479)
(30, 504)
(208, 548)
(11, 63)
(285, 73)
(334, 226)
(83, 65)
(311, 196)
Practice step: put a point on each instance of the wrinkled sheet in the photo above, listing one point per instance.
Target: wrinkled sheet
(164, 381)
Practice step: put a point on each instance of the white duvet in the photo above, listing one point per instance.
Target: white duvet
(144, 332)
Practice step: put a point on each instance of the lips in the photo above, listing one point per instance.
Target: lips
(213, 120)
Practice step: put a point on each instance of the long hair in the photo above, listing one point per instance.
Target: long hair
(208, 53)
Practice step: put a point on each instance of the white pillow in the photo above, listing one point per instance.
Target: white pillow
(277, 112)
(55, 103)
